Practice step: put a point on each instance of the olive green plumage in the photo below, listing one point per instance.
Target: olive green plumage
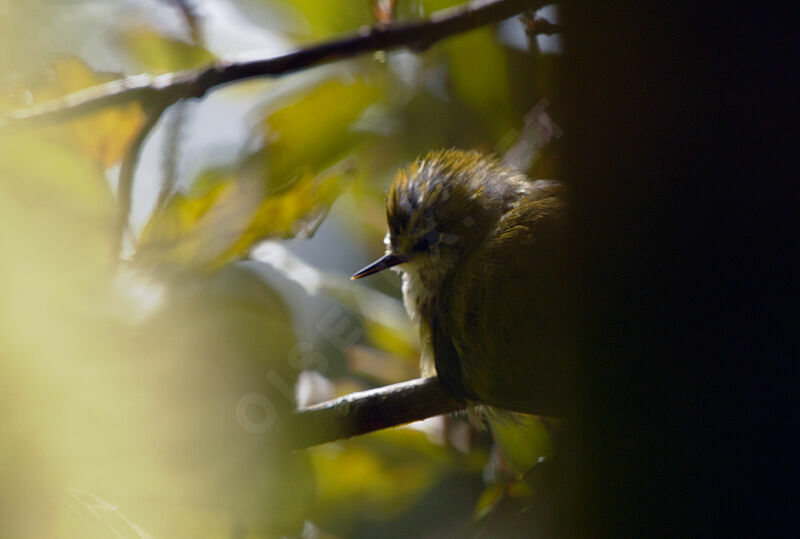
(480, 247)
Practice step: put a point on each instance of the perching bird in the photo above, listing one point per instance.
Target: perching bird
(480, 248)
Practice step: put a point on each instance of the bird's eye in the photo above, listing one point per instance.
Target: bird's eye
(422, 245)
(427, 242)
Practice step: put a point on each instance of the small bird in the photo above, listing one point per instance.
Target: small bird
(480, 249)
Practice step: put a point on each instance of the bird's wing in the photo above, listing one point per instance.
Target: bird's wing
(497, 311)
(448, 362)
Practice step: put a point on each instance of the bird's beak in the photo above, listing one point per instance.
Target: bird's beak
(386, 261)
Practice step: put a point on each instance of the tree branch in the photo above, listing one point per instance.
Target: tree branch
(535, 26)
(171, 87)
(368, 411)
(125, 179)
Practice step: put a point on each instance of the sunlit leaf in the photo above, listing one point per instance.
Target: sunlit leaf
(56, 211)
(519, 489)
(395, 340)
(114, 429)
(523, 440)
(160, 54)
(377, 476)
(324, 19)
(104, 135)
(280, 191)
(90, 516)
(315, 129)
(380, 366)
(479, 75)
(492, 495)
(205, 231)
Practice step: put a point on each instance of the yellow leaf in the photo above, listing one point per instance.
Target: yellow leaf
(104, 135)
(280, 191)
(524, 441)
(161, 54)
(376, 476)
(315, 129)
(393, 340)
(205, 231)
(479, 73)
(56, 215)
(326, 19)
(492, 495)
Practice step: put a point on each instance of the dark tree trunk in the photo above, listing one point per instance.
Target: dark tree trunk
(675, 117)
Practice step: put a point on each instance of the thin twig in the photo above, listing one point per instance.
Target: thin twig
(171, 87)
(126, 172)
(535, 26)
(171, 152)
(189, 13)
(368, 411)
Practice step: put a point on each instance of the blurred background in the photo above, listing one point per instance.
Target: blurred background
(139, 393)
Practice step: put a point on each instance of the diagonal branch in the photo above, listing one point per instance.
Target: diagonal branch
(171, 87)
(368, 411)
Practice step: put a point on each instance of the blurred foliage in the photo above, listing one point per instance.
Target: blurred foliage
(103, 135)
(478, 70)
(313, 130)
(205, 232)
(159, 54)
(139, 397)
(524, 442)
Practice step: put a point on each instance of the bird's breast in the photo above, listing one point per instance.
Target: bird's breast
(419, 298)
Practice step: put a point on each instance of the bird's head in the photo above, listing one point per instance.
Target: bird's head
(439, 209)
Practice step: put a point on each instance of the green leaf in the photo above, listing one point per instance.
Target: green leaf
(490, 498)
(328, 18)
(56, 211)
(379, 476)
(161, 54)
(315, 128)
(104, 135)
(523, 440)
(479, 76)
(203, 232)
(280, 191)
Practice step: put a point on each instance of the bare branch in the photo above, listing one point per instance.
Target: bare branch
(171, 152)
(368, 411)
(189, 13)
(171, 87)
(125, 182)
(535, 26)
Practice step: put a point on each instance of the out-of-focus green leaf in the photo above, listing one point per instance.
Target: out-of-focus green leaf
(379, 366)
(335, 17)
(215, 359)
(110, 426)
(23, 47)
(104, 135)
(327, 19)
(160, 54)
(204, 232)
(423, 8)
(55, 215)
(523, 440)
(139, 421)
(391, 339)
(51, 196)
(379, 476)
(280, 191)
(315, 129)
(479, 76)
(492, 495)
